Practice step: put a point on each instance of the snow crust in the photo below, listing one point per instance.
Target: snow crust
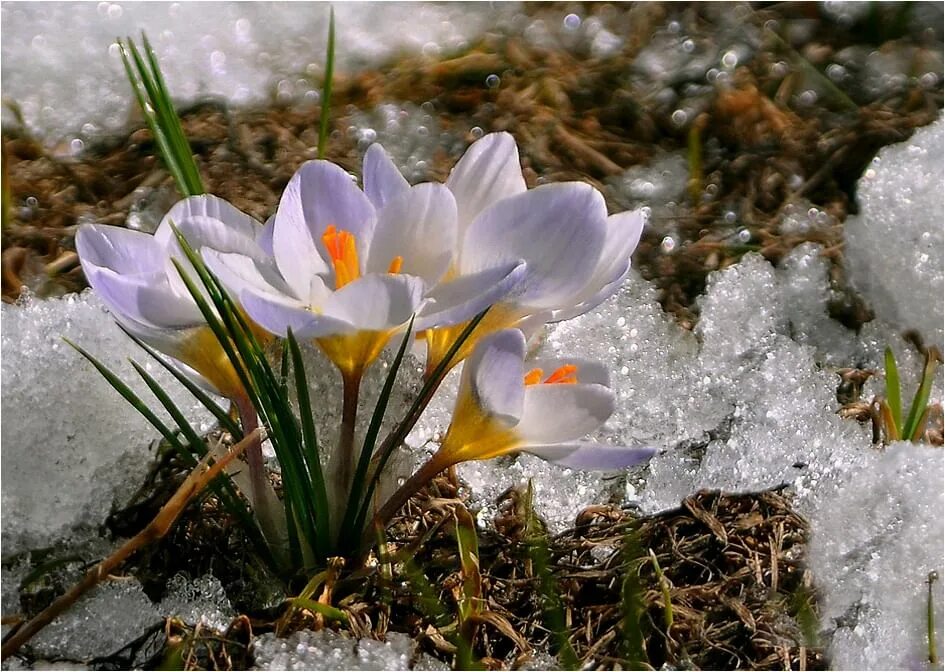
(330, 650)
(72, 447)
(894, 248)
(241, 52)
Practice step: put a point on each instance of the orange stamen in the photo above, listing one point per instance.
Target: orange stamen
(396, 264)
(344, 255)
(566, 375)
(533, 377)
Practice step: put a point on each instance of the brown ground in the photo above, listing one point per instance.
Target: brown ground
(732, 565)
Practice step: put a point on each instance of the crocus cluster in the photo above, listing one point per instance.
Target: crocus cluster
(348, 268)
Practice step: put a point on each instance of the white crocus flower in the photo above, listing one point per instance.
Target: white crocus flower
(545, 409)
(343, 273)
(133, 274)
(567, 254)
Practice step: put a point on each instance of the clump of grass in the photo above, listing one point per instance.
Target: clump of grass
(147, 83)
(888, 411)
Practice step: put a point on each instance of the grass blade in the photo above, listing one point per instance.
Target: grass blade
(170, 122)
(147, 110)
(413, 414)
(536, 541)
(914, 425)
(313, 454)
(132, 398)
(326, 87)
(224, 418)
(893, 389)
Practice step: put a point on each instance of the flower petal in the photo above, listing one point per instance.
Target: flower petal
(592, 456)
(382, 181)
(238, 272)
(495, 374)
(557, 413)
(465, 297)
(264, 235)
(277, 314)
(591, 303)
(144, 298)
(376, 302)
(232, 218)
(623, 235)
(122, 250)
(419, 226)
(319, 194)
(558, 229)
(488, 172)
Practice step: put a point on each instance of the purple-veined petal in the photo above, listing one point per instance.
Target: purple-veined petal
(376, 302)
(264, 235)
(589, 371)
(145, 298)
(495, 375)
(203, 232)
(488, 172)
(122, 250)
(592, 456)
(419, 226)
(623, 235)
(238, 272)
(277, 314)
(591, 303)
(320, 194)
(558, 229)
(465, 297)
(560, 412)
(382, 181)
(205, 206)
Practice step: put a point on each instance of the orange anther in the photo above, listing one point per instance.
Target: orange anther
(566, 375)
(396, 264)
(533, 377)
(344, 255)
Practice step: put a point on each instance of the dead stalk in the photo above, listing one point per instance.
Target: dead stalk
(157, 528)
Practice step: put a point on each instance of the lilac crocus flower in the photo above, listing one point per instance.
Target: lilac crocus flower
(133, 274)
(350, 267)
(545, 409)
(568, 255)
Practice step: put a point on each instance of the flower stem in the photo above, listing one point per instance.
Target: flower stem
(344, 457)
(249, 421)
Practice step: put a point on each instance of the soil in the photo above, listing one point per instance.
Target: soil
(732, 566)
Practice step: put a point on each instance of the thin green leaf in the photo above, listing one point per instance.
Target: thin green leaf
(552, 610)
(893, 389)
(664, 590)
(171, 123)
(413, 414)
(224, 418)
(913, 427)
(326, 87)
(132, 398)
(268, 395)
(325, 610)
(467, 543)
(147, 110)
(370, 440)
(313, 454)
(633, 606)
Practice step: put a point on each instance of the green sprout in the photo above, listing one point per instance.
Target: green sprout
(890, 418)
(147, 83)
(326, 87)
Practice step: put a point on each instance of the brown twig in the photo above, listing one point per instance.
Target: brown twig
(157, 528)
